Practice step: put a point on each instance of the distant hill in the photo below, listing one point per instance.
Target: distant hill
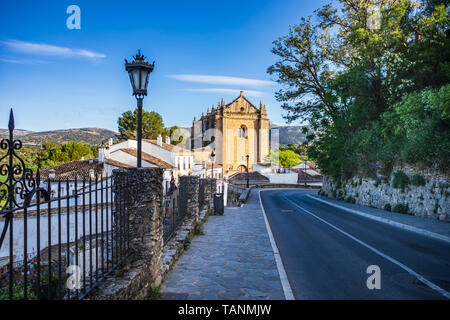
(4, 133)
(289, 134)
(91, 136)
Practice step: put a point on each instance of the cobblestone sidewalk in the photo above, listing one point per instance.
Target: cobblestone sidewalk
(233, 260)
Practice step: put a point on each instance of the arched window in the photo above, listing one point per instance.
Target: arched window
(242, 132)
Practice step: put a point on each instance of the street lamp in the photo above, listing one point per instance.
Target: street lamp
(212, 156)
(139, 70)
(247, 156)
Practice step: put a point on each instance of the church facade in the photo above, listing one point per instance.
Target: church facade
(233, 131)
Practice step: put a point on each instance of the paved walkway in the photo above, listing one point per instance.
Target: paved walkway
(233, 260)
(430, 225)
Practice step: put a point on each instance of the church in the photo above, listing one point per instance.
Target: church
(233, 131)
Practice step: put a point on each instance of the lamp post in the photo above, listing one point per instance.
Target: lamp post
(212, 156)
(139, 70)
(247, 156)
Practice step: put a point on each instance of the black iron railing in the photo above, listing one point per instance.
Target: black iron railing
(174, 211)
(59, 239)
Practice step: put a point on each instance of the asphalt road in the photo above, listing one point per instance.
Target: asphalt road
(326, 251)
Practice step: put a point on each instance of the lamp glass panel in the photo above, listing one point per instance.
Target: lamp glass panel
(143, 83)
(135, 73)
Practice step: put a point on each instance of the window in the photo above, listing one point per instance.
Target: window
(242, 132)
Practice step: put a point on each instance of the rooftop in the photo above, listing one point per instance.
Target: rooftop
(72, 170)
(149, 158)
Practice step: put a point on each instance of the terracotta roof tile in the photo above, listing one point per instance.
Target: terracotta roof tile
(74, 169)
(253, 176)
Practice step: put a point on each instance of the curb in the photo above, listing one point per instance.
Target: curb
(387, 221)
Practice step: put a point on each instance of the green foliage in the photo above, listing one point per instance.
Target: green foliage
(374, 97)
(418, 180)
(285, 158)
(187, 243)
(401, 208)
(350, 199)
(152, 126)
(399, 180)
(18, 291)
(154, 293)
(198, 229)
(387, 207)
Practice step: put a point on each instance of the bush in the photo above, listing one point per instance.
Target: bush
(387, 207)
(187, 243)
(154, 293)
(401, 208)
(417, 180)
(400, 180)
(350, 199)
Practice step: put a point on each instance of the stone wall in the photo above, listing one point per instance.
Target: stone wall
(209, 185)
(429, 201)
(150, 260)
(142, 192)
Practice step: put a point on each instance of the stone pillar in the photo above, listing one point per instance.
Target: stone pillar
(189, 189)
(210, 187)
(141, 190)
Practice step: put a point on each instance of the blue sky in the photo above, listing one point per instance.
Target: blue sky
(56, 78)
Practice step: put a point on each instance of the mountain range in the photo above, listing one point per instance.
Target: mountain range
(90, 136)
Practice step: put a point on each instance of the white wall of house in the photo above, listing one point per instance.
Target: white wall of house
(159, 152)
(129, 159)
(289, 178)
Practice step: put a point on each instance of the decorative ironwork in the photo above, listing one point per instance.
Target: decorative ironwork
(19, 186)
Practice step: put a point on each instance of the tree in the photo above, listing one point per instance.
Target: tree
(152, 125)
(354, 83)
(285, 158)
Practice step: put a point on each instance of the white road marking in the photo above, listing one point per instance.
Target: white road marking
(398, 263)
(281, 272)
(387, 221)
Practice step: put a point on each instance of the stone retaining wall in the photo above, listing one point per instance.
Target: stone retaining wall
(150, 260)
(429, 201)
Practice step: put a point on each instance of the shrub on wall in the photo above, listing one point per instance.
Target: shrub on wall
(400, 180)
(418, 180)
(401, 208)
(387, 207)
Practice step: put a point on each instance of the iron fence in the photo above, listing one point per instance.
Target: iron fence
(54, 244)
(174, 211)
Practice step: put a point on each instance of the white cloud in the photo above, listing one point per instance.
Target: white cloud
(220, 80)
(23, 61)
(47, 49)
(249, 93)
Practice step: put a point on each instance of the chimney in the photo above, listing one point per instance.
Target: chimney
(242, 93)
(167, 140)
(159, 140)
(101, 154)
(51, 174)
(110, 142)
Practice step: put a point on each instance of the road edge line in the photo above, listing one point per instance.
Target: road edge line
(287, 290)
(387, 221)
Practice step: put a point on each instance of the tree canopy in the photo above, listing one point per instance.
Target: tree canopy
(375, 94)
(152, 126)
(285, 158)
